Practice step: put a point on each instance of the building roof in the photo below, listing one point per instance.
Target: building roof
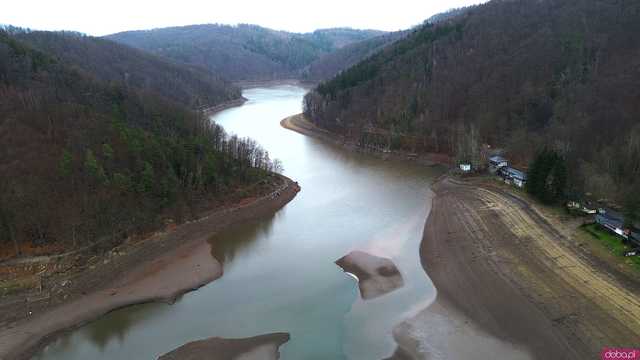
(515, 173)
(497, 159)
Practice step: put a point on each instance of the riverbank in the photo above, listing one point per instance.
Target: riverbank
(224, 106)
(159, 268)
(300, 124)
(515, 272)
(248, 84)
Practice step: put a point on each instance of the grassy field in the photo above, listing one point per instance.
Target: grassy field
(612, 243)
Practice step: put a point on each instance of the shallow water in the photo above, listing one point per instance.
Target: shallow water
(279, 271)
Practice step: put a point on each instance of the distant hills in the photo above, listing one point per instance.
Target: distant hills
(517, 75)
(332, 63)
(243, 52)
(109, 61)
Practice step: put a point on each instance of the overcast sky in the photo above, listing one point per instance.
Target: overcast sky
(110, 16)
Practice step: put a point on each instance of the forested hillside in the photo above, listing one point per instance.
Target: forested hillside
(243, 52)
(83, 159)
(332, 63)
(113, 62)
(447, 15)
(517, 75)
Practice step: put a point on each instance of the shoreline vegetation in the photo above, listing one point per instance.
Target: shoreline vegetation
(210, 111)
(158, 268)
(300, 124)
(512, 277)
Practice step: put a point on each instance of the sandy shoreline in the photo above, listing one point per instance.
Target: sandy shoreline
(164, 267)
(500, 263)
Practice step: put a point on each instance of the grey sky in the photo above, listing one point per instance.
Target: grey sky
(109, 16)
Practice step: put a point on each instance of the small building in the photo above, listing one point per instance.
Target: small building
(496, 163)
(513, 176)
(613, 223)
(465, 167)
(585, 207)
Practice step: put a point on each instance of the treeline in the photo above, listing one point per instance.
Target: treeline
(109, 61)
(515, 75)
(243, 52)
(83, 159)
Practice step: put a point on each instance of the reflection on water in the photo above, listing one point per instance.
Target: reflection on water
(279, 271)
(115, 327)
(240, 239)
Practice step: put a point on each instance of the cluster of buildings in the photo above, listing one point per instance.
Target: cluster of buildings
(500, 166)
(608, 219)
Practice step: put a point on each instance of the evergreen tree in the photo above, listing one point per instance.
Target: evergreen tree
(547, 177)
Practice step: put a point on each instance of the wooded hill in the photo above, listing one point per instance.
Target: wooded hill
(518, 75)
(82, 159)
(329, 65)
(113, 62)
(242, 52)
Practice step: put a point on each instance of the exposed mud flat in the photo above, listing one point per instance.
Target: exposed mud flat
(439, 332)
(163, 268)
(263, 347)
(500, 263)
(376, 275)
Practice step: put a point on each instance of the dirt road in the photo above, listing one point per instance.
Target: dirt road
(514, 272)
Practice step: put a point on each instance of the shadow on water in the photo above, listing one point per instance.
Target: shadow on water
(225, 246)
(114, 327)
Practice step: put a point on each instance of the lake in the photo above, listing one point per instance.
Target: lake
(279, 271)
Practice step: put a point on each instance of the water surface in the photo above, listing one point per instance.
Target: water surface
(279, 271)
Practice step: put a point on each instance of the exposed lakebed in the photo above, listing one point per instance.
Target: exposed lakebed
(279, 271)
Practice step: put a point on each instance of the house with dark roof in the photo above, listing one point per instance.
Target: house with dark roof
(496, 163)
(614, 222)
(513, 176)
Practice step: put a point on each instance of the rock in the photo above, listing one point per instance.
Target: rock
(376, 275)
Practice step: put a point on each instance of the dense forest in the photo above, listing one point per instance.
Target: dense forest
(83, 159)
(243, 52)
(343, 58)
(521, 76)
(113, 62)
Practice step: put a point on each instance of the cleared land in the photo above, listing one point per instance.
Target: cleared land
(519, 275)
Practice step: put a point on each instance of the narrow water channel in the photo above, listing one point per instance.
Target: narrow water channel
(279, 271)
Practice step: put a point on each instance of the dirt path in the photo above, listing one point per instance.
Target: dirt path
(502, 264)
(160, 269)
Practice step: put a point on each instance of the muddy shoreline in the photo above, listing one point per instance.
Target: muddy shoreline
(248, 84)
(303, 126)
(162, 268)
(224, 106)
(500, 263)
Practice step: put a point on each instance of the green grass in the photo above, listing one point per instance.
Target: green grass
(613, 243)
